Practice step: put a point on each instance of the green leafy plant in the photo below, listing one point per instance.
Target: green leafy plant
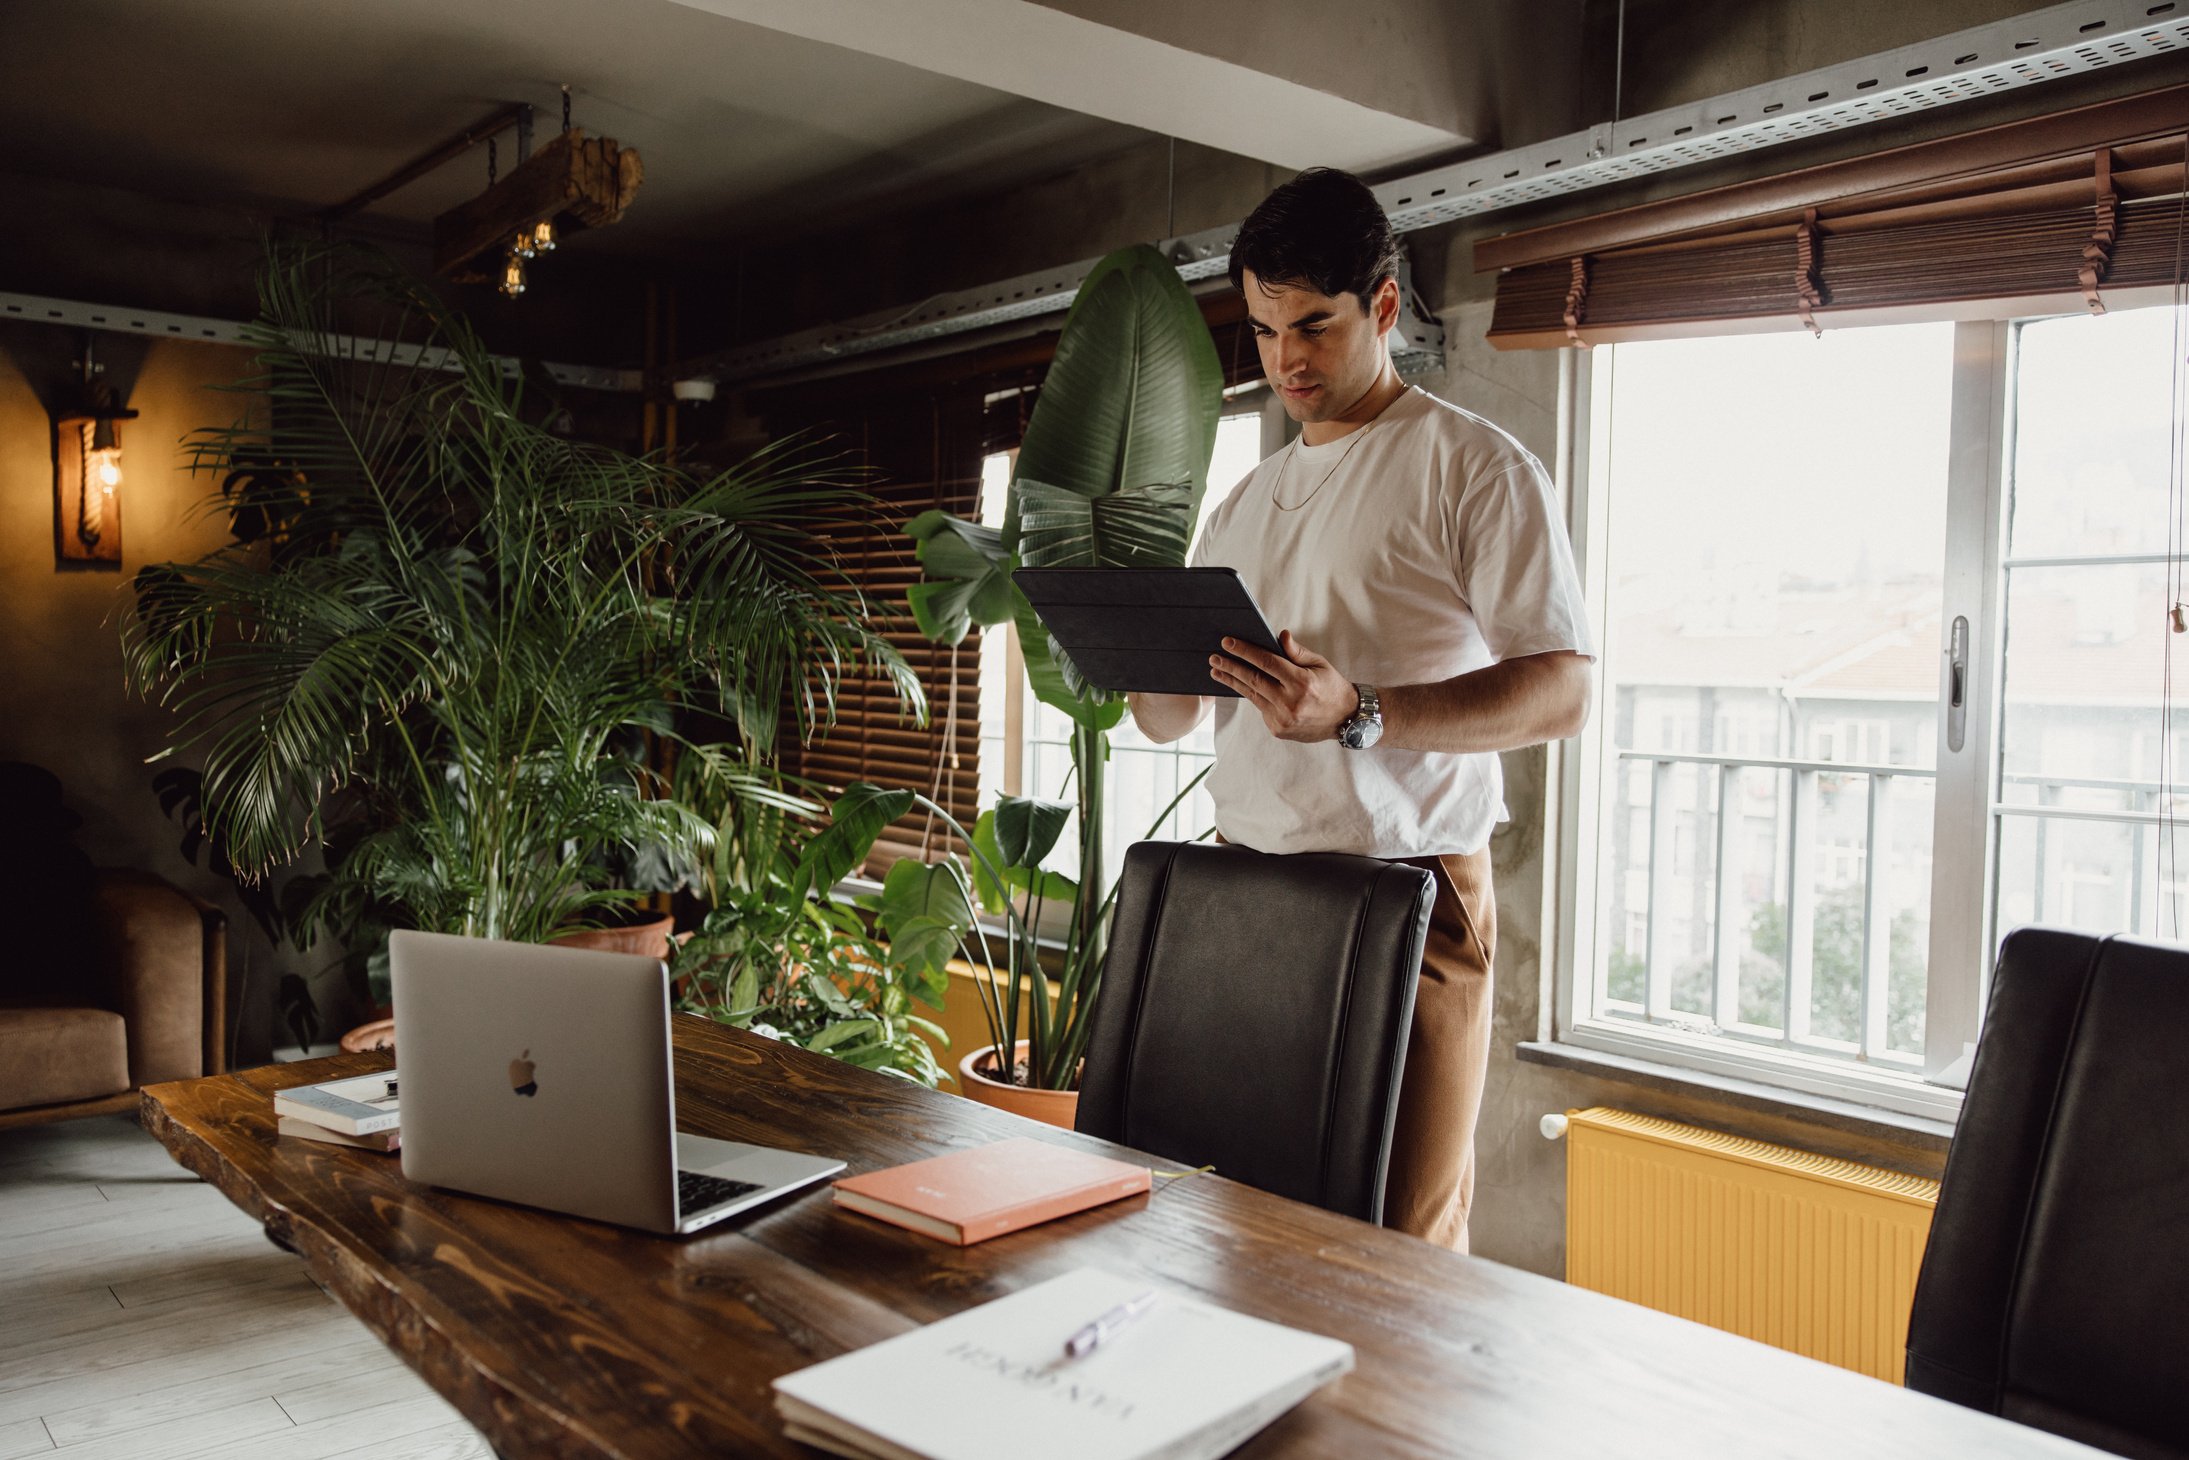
(451, 642)
(1110, 474)
(779, 955)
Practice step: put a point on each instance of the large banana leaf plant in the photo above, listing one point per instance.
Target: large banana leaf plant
(448, 633)
(1110, 474)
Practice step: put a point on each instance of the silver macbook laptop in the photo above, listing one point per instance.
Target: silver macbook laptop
(541, 1075)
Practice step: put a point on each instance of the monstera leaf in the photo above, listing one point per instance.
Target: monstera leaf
(925, 913)
(990, 862)
(969, 577)
(1116, 455)
(1027, 828)
(1110, 473)
(1134, 393)
(1144, 526)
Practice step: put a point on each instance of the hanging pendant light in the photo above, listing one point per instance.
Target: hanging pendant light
(513, 275)
(543, 237)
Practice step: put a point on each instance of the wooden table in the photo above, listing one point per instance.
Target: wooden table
(566, 1338)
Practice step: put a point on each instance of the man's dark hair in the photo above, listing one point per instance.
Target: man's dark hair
(1324, 231)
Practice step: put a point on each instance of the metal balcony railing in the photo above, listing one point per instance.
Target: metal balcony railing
(1795, 812)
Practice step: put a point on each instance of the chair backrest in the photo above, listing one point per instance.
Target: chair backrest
(1253, 1016)
(2055, 1287)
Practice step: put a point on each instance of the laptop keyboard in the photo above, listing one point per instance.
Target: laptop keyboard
(697, 1193)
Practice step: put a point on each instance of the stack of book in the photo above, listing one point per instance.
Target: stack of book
(358, 1111)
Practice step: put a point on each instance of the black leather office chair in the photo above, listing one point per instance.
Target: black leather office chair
(1253, 1016)
(2055, 1288)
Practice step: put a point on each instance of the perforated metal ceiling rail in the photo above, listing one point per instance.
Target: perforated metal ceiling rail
(2045, 45)
(2027, 50)
(38, 309)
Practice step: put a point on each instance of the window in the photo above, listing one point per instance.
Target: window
(1026, 745)
(1782, 866)
(2086, 802)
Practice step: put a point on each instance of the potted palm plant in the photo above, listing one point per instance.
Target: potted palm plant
(1110, 474)
(451, 645)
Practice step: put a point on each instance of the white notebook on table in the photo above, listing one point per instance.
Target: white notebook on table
(1182, 1381)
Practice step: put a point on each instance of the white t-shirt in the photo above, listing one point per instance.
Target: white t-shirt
(1422, 546)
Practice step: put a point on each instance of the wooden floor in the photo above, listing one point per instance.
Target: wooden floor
(141, 1315)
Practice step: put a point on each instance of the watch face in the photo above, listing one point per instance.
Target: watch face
(1359, 734)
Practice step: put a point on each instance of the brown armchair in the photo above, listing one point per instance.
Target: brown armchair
(152, 1006)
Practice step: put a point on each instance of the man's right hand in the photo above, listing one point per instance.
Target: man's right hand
(1164, 718)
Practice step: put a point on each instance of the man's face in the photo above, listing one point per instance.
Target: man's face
(1321, 353)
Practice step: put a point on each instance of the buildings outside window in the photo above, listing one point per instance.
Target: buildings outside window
(1783, 868)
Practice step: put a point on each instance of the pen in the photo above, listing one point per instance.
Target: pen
(1099, 1331)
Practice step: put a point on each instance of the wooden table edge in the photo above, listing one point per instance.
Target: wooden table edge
(511, 1419)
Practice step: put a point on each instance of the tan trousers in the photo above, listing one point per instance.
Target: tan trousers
(1432, 1177)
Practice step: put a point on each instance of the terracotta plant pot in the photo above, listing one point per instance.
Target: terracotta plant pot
(647, 940)
(376, 1034)
(976, 1074)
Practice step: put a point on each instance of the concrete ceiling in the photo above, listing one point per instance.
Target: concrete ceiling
(757, 119)
(745, 131)
(1296, 82)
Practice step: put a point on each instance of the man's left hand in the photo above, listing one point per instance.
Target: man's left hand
(1301, 696)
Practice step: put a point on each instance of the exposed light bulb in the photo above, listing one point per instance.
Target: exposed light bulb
(521, 246)
(108, 468)
(513, 276)
(543, 237)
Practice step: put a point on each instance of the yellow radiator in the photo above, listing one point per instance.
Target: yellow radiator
(1810, 1253)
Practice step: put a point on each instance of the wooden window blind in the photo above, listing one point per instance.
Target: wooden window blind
(924, 451)
(2075, 211)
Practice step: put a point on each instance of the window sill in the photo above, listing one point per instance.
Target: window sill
(1867, 1122)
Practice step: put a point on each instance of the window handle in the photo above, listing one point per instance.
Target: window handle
(1957, 684)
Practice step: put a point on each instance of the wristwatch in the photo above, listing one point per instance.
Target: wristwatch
(1365, 727)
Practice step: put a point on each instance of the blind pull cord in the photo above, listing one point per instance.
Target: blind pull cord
(947, 756)
(1577, 300)
(1808, 294)
(2098, 252)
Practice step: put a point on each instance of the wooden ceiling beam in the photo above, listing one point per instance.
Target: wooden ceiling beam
(574, 182)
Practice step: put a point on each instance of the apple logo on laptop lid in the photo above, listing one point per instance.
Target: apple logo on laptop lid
(520, 1075)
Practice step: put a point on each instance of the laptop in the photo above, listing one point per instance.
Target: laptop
(541, 1075)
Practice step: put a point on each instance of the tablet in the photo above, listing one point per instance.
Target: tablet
(1150, 630)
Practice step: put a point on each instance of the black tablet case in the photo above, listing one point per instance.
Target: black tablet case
(1146, 629)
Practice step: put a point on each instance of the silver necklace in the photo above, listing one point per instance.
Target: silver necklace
(1287, 466)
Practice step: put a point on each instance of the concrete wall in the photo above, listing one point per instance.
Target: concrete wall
(1679, 51)
(62, 700)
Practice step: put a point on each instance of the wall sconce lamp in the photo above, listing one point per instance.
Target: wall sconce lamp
(87, 473)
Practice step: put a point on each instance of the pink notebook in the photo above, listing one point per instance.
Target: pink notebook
(970, 1196)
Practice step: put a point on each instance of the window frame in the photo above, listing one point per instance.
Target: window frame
(1965, 820)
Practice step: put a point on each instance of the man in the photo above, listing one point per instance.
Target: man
(1413, 555)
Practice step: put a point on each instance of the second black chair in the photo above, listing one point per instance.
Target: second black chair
(1254, 1013)
(2054, 1289)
